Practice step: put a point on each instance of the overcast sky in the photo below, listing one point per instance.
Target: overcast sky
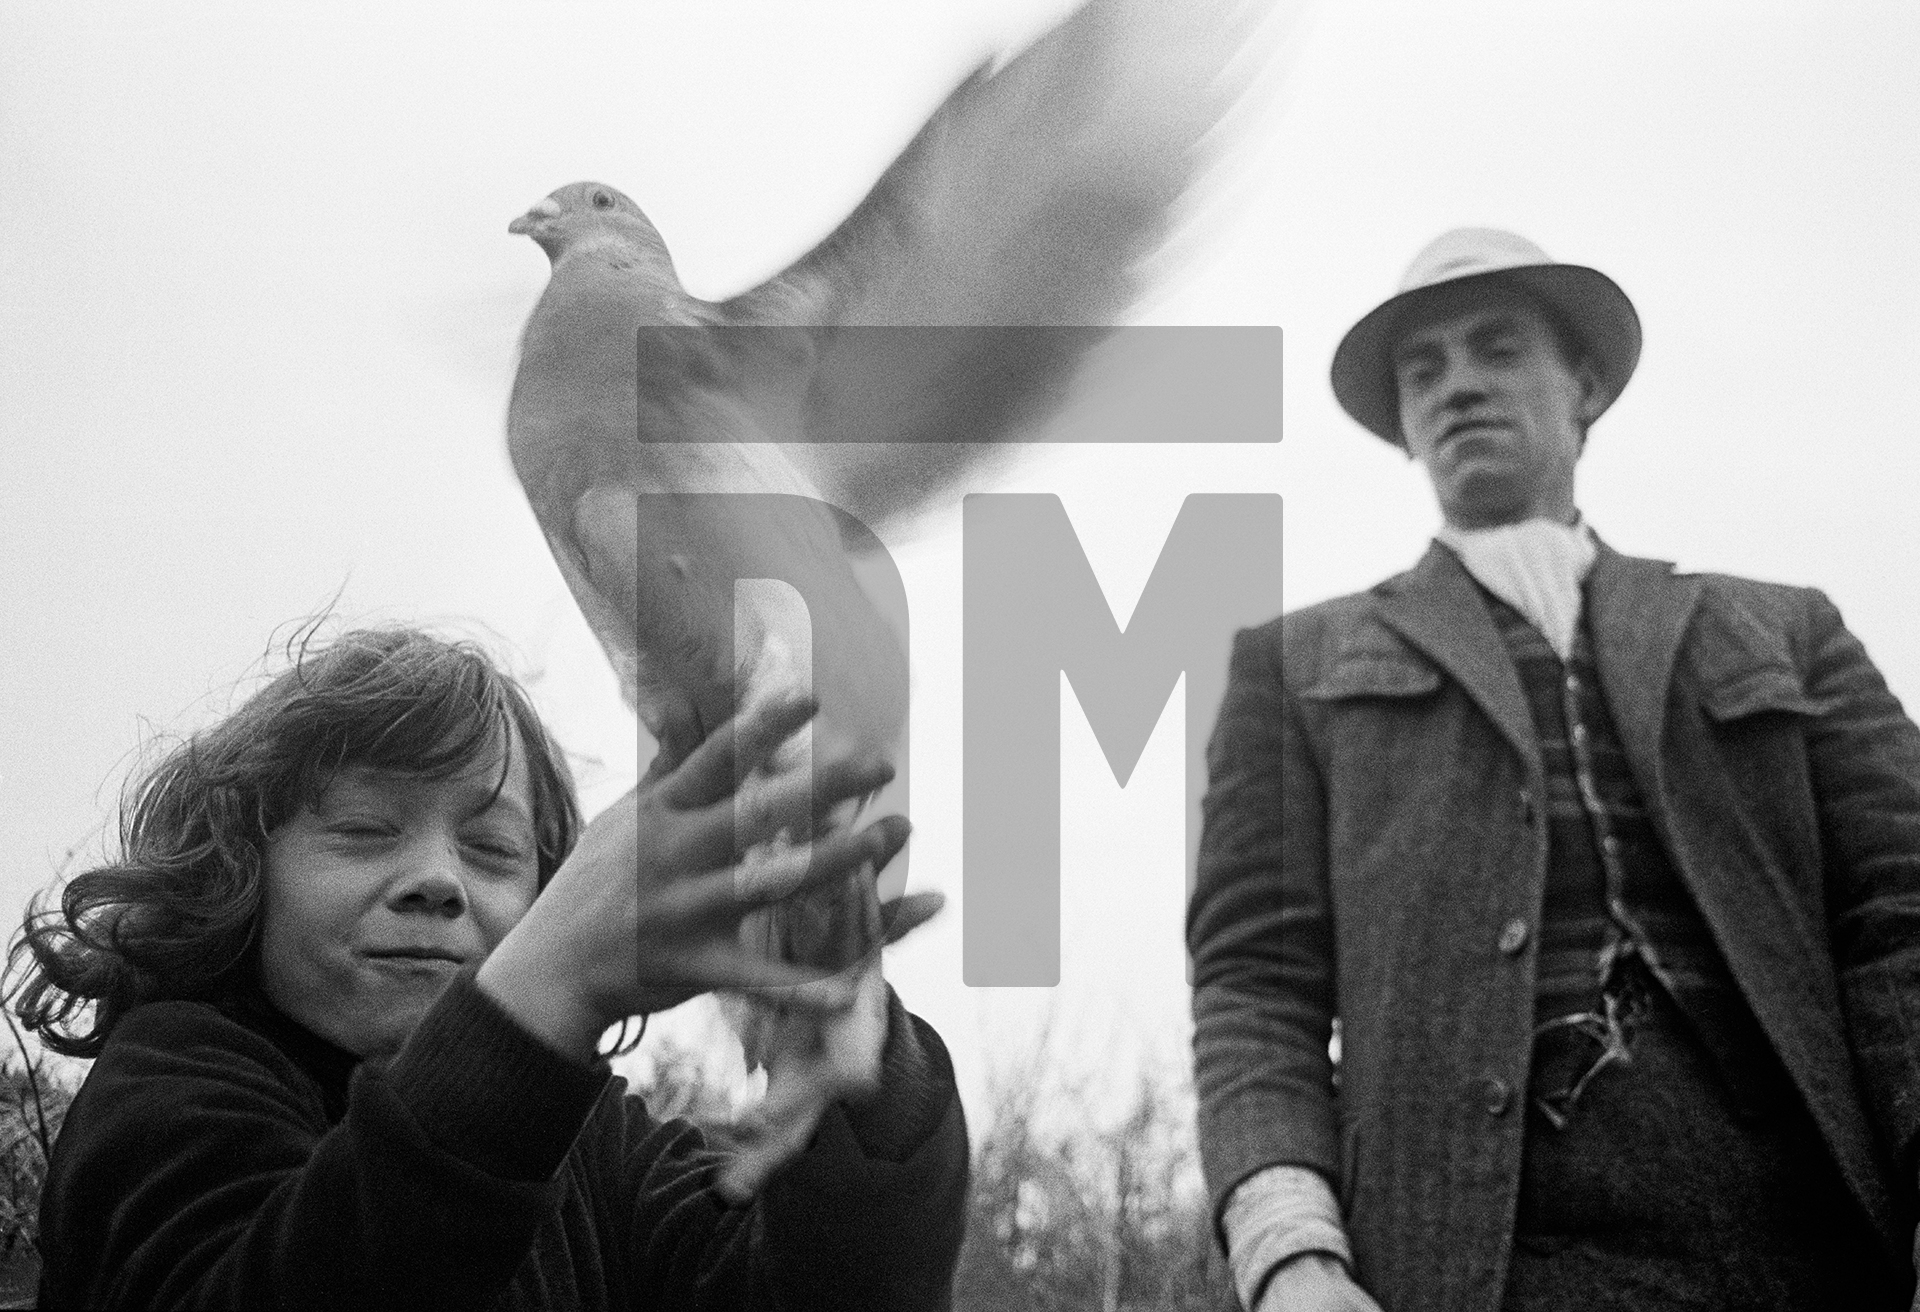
(258, 308)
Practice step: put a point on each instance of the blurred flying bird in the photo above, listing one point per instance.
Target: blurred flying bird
(947, 313)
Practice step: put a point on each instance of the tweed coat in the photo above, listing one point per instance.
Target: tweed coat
(1374, 821)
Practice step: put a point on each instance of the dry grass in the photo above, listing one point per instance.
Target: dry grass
(33, 1102)
(1089, 1216)
(1068, 1212)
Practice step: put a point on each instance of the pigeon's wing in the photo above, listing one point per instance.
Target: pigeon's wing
(603, 590)
(1029, 199)
(653, 569)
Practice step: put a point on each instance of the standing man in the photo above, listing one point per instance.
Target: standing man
(1609, 875)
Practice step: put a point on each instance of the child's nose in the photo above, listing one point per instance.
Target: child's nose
(431, 883)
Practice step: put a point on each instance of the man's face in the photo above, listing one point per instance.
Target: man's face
(377, 894)
(1490, 407)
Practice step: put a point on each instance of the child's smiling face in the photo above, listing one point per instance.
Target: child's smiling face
(386, 886)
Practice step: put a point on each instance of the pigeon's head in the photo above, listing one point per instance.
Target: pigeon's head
(586, 211)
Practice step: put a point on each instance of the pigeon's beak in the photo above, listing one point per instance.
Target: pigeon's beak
(533, 218)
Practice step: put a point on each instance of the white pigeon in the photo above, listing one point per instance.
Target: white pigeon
(948, 311)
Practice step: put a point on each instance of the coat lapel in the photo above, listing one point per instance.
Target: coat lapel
(1438, 609)
(1638, 614)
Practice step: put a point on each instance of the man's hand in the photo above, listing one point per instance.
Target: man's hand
(1314, 1282)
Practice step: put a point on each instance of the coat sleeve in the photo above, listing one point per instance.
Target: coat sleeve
(197, 1167)
(1259, 929)
(870, 1216)
(1864, 755)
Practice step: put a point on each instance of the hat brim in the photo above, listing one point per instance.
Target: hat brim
(1591, 303)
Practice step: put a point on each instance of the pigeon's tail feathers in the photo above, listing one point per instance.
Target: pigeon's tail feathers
(832, 929)
(1032, 199)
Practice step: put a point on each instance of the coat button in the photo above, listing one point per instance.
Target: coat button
(1513, 937)
(1495, 1095)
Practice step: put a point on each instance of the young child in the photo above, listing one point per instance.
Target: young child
(343, 991)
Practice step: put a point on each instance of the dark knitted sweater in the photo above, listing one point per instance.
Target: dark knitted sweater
(226, 1159)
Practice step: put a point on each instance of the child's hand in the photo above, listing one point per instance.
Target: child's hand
(646, 912)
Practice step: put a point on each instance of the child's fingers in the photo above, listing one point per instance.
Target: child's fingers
(734, 750)
(729, 966)
(827, 995)
(902, 915)
(761, 879)
(712, 903)
(791, 802)
(765, 808)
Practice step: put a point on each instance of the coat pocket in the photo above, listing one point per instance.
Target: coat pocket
(1753, 692)
(1368, 674)
(1744, 665)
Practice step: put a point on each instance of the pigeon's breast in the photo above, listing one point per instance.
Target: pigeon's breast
(643, 440)
(745, 593)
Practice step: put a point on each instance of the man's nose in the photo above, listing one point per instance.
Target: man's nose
(1463, 387)
(431, 884)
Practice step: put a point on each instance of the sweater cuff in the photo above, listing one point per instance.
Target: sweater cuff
(915, 1086)
(486, 1091)
(1277, 1214)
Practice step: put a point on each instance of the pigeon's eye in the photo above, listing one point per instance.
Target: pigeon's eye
(602, 201)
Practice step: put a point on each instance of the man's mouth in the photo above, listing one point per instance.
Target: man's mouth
(1465, 426)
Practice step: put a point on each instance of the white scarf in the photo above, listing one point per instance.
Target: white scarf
(1535, 566)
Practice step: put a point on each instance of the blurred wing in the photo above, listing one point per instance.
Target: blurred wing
(1029, 199)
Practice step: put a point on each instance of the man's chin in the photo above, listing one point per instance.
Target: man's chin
(1484, 497)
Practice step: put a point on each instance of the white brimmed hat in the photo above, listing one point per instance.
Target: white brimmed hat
(1590, 303)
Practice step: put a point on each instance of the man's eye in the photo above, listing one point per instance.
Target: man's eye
(367, 829)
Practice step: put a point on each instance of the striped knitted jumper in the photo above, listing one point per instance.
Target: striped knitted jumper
(1648, 1187)
(1611, 892)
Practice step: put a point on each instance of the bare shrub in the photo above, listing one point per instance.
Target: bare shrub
(33, 1102)
(1066, 1213)
(1086, 1217)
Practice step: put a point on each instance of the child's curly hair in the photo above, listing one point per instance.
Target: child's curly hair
(177, 916)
